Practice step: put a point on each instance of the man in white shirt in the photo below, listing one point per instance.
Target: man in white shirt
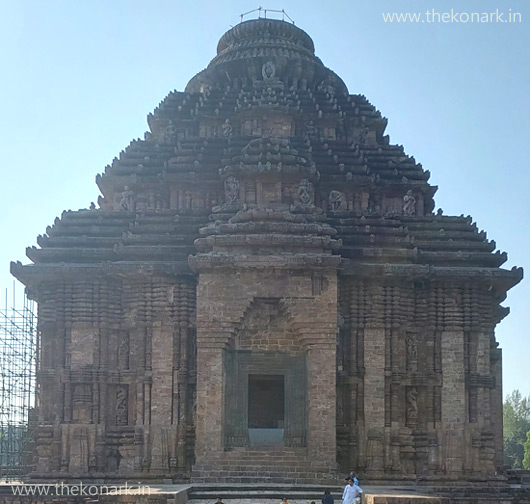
(352, 493)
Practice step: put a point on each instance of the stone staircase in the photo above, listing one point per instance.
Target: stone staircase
(260, 492)
(291, 466)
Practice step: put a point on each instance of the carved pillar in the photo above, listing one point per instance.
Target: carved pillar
(374, 378)
(322, 403)
(483, 369)
(374, 396)
(496, 407)
(209, 397)
(162, 349)
(453, 398)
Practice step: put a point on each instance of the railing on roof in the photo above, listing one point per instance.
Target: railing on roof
(262, 13)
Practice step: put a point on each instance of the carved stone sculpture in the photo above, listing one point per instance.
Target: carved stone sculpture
(411, 351)
(412, 406)
(122, 405)
(227, 129)
(363, 135)
(309, 129)
(127, 199)
(268, 70)
(231, 190)
(409, 204)
(170, 135)
(337, 201)
(305, 192)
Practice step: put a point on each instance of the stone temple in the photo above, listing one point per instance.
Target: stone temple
(265, 292)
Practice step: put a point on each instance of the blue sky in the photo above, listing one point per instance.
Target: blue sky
(78, 79)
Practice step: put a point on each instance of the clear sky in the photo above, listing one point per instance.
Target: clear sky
(79, 77)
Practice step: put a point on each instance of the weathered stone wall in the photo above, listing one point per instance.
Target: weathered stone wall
(117, 378)
(418, 386)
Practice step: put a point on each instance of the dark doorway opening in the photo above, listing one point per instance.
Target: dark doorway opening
(265, 401)
(266, 409)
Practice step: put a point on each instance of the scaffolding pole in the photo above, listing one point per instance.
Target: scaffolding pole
(18, 366)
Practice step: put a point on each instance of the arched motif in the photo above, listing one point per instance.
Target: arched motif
(267, 325)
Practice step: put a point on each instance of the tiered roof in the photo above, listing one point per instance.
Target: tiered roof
(265, 105)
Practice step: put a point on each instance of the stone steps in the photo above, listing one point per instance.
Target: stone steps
(249, 466)
(264, 492)
(274, 458)
(289, 478)
(245, 464)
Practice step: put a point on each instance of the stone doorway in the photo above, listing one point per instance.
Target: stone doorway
(265, 399)
(266, 410)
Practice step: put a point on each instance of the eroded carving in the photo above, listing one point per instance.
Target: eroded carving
(409, 204)
(127, 202)
(412, 406)
(268, 70)
(337, 201)
(122, 405)
(227, 129)
(231, 190)
(305, 192)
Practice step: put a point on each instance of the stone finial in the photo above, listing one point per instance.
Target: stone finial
(231, 190)
(409, 204)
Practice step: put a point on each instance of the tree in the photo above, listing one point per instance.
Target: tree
(516, 418)
(526, 459)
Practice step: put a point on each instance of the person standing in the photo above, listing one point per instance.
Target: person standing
(352, 493)
(328, 498)
(353, 476)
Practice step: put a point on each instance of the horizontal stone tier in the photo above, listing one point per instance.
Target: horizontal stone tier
(120, 253)
(496, 276)
(282, 242)
(204, 262)
(56, 271)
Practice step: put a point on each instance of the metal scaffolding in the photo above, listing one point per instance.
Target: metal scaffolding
(18, 366)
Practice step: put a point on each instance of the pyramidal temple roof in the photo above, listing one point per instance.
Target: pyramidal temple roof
(266, 125)
(246, 51)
